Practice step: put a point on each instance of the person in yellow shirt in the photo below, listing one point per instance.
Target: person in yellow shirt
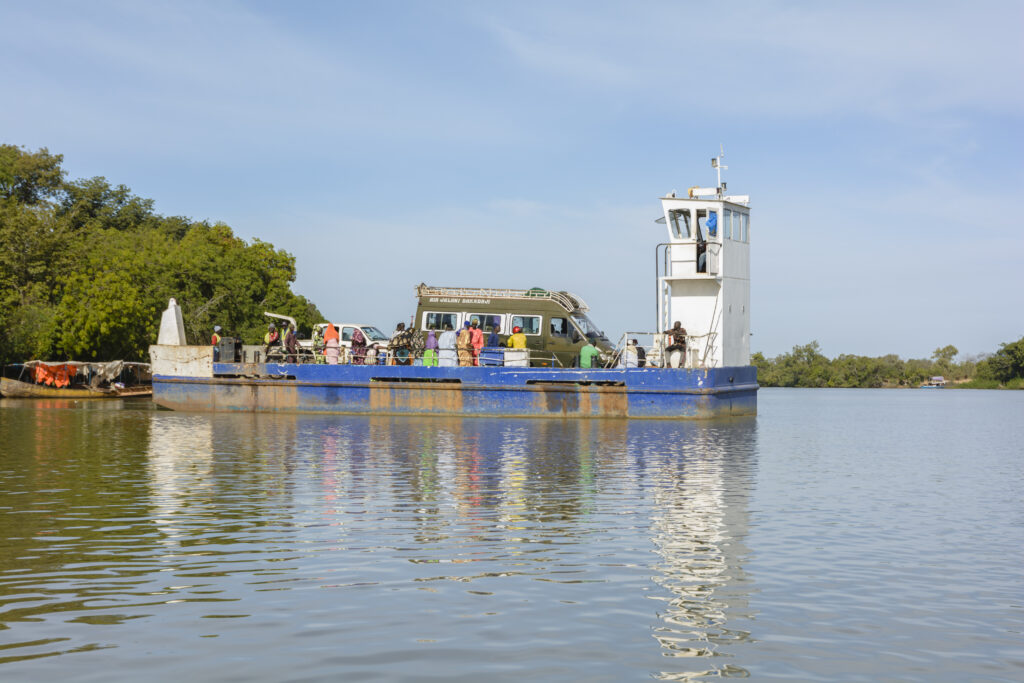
(518, 339)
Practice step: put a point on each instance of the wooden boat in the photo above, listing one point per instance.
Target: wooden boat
(12, 388)
(72, 379)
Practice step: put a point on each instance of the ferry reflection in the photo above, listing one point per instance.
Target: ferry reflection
(485, 498)
(207, 472)
(524, 482)
(701, 492)
(180, 465)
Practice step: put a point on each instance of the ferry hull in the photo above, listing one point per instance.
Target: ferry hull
(477, 391)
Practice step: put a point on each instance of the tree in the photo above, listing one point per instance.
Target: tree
(86, 267)
(29, 177)
(1005, 364)
(944, 356)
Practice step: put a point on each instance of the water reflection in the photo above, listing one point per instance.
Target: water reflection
(699, 528)
(389, 530)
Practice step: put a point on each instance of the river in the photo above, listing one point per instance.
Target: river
(855, 535)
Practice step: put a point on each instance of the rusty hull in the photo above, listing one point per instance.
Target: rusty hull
(513, 392)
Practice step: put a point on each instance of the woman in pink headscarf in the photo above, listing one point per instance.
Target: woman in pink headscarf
(358, 347)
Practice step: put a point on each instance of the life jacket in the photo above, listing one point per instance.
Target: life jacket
(62, 376)
(215, 340)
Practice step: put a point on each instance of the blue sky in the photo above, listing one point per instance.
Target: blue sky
(526, 144)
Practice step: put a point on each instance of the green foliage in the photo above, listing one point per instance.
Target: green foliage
(805, 366)
(93, 205)
(944, 356)
(86, 268)
(980, 384)
(1004, 365)
(29, 178)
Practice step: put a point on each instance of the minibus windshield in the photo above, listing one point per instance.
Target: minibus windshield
(587, 326)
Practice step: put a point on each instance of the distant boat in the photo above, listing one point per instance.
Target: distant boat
(936, 382)
(73, 379)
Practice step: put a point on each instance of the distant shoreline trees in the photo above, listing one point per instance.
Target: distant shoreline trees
(806, 366)
(86, 268)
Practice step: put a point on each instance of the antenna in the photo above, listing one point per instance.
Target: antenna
(716, 163)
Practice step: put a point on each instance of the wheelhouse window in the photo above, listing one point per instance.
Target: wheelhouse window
(529, 323)
(707, 224)
(486, 321)
(679, 219)
(727, 224)
(437, 321)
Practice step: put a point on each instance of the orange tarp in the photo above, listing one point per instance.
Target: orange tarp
(54, 375)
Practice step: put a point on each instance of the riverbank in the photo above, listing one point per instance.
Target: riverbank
(807, 367)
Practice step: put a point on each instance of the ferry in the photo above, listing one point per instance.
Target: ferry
(701, 279)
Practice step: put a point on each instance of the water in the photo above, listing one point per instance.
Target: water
(851, 535)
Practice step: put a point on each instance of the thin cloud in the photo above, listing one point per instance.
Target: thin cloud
(779, 59)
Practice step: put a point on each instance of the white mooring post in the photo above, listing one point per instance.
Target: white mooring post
(172, 328)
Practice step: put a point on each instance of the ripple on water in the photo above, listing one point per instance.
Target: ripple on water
(859, 535)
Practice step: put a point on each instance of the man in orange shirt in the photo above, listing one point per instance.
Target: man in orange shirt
(476, 339)
(215, 341)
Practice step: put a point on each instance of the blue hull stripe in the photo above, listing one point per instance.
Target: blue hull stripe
(480, 391)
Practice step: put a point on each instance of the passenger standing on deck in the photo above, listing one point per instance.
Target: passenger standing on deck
(641, 355)
(493, 340)
(358, 347)
(446, 348)
(291, 344)
(331, 345)
(399, 346)
(215, 341)
(430, 350)
(628, 359)
(587, 354)
(476, 338)
(465, 346)
(518, 339)
(271, 338)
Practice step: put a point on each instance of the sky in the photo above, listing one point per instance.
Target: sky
(526, 144)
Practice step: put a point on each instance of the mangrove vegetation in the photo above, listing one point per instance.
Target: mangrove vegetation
(86, 268)
(806, 366)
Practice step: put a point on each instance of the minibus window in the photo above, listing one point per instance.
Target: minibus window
(529, 323)
(437, 321)
(487, 321)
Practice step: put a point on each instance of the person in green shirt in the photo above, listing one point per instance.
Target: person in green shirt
(587, 355)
